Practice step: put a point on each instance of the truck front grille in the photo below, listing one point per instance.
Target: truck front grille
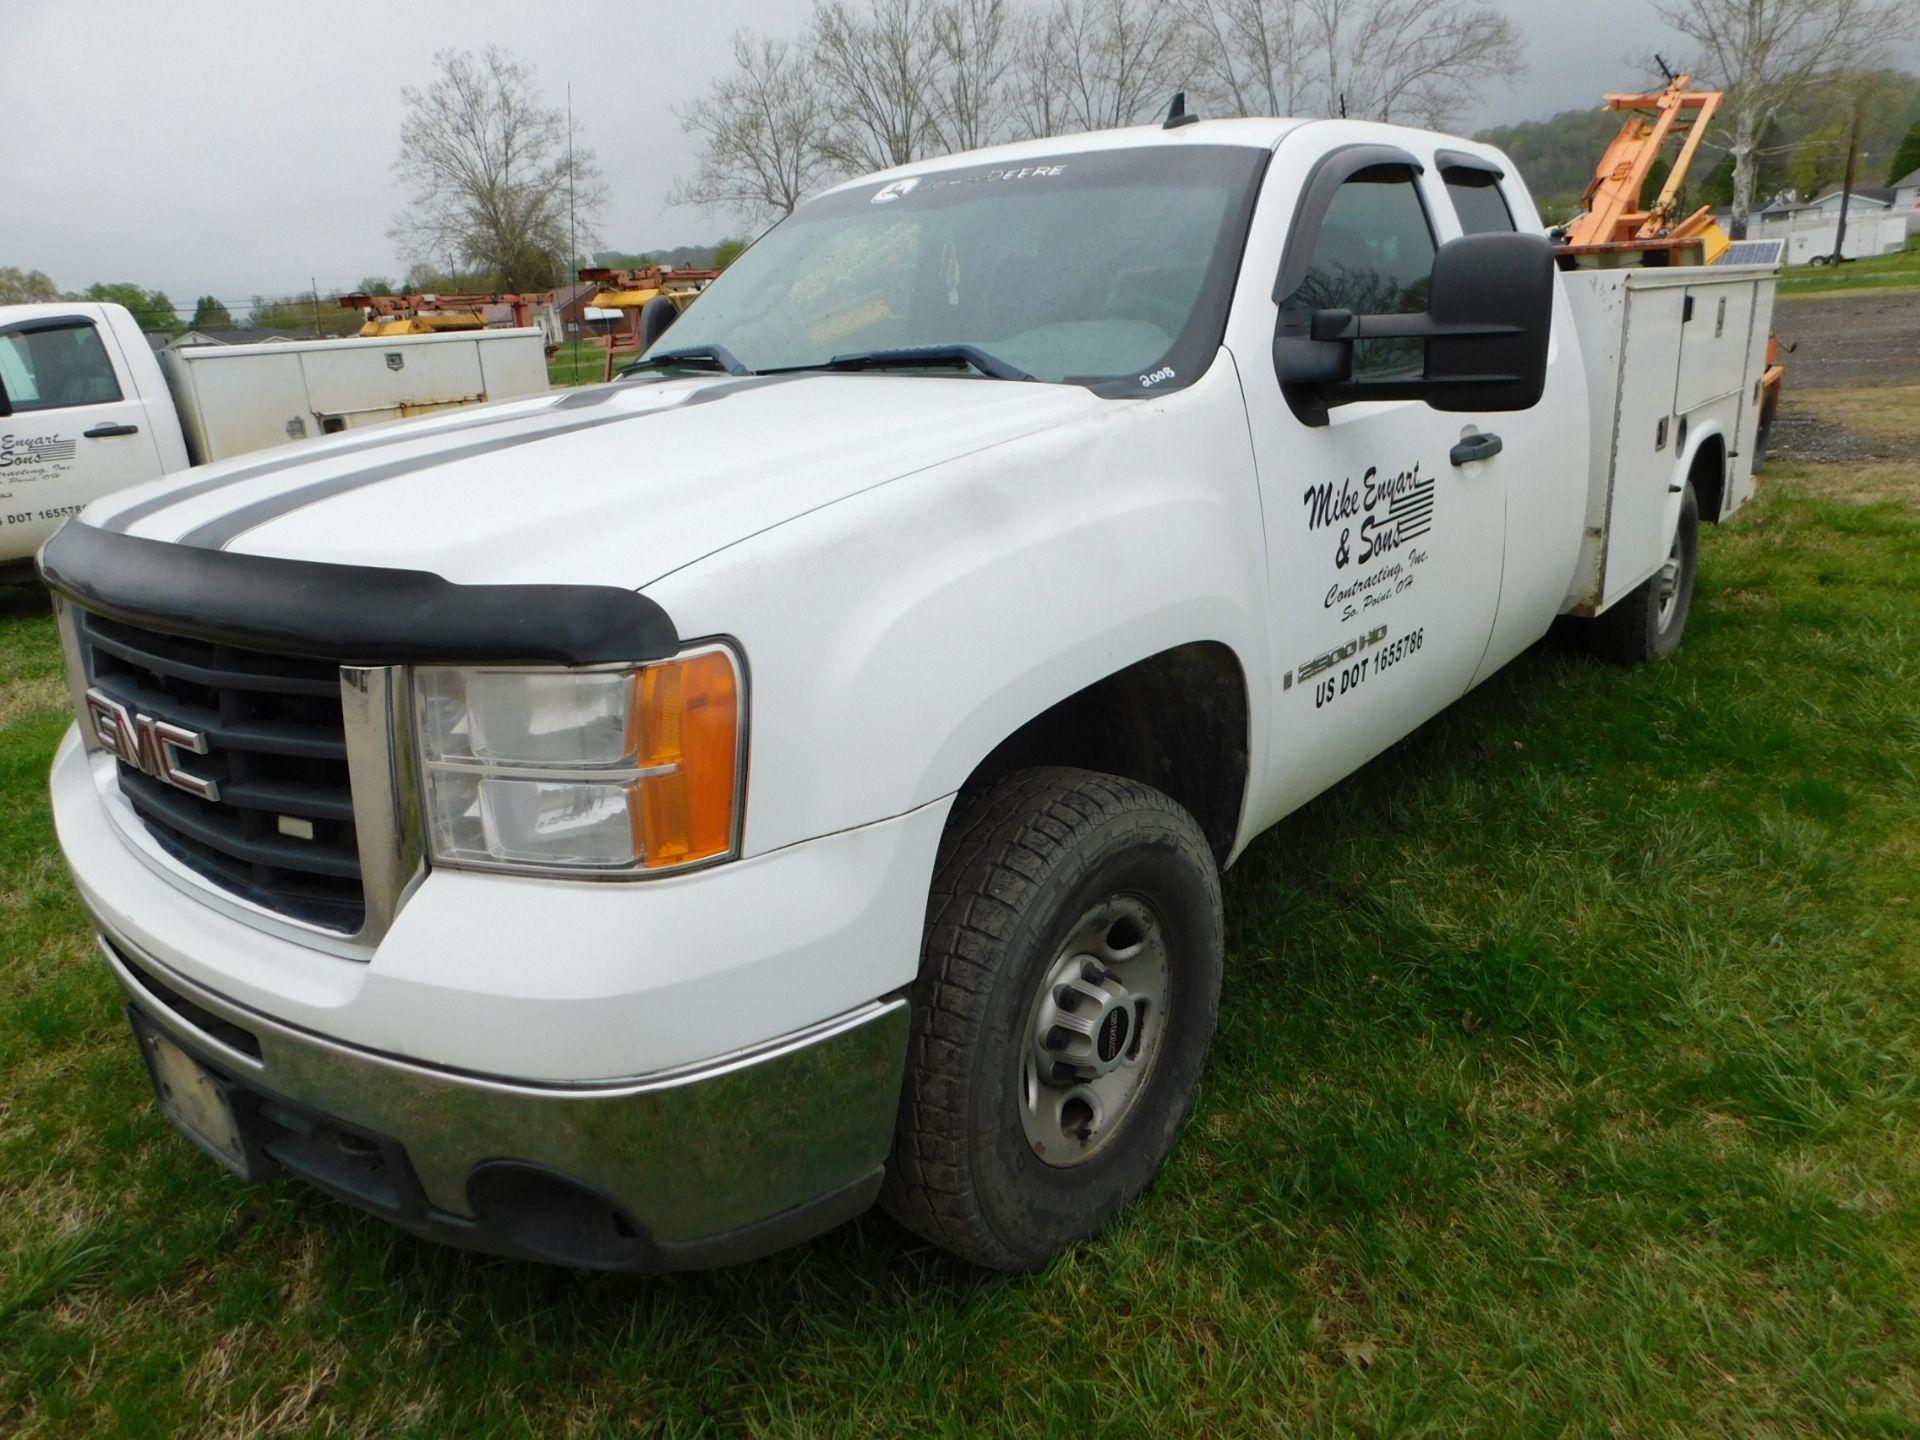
(280, 832)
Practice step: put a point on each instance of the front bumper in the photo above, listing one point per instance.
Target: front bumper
(707, 1166)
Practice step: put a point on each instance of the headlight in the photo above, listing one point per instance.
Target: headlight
(612, 771)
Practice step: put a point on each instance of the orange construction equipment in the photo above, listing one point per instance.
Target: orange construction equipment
(629, 291)
(437, 314)
(1616, 228)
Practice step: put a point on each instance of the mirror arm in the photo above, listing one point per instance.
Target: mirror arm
(1345, 325)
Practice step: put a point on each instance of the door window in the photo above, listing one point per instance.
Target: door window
(1373, 256)
(51, 367)
(1478, 202)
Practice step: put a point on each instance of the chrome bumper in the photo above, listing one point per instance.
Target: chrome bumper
(708, 1165)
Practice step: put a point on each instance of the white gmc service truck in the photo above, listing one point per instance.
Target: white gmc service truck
(87, 408)
(642, 827)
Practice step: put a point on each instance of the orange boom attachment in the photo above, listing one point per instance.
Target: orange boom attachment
(1616, 228)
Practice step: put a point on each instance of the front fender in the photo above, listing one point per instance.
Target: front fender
(893, 639)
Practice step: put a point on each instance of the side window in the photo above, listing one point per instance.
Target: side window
(1478, 202)
(49, 367)
(1373, 256)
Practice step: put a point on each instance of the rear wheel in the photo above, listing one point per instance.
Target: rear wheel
(1763, 439)
(1067, 995)
(1648, 623)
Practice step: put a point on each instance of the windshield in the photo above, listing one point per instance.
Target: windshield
(1104, 268)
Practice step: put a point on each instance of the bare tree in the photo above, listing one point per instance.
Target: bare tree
(490, 171)
(1766, 53)
(976, 50)
(1096, 64)
(1412, 61)
(762, 133)
(1248, 57)
(880, 71)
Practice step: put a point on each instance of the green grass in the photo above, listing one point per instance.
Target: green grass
(1565, 1085)
(580, 362)
(1899, 271)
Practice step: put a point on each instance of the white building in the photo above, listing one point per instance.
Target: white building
(1811, 228)
(1906, 199)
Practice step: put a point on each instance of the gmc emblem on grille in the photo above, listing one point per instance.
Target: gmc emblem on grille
(150, 746)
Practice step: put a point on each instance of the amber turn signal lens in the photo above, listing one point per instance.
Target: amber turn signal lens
(690, 739)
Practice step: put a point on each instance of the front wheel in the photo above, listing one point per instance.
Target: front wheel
(1068, 989)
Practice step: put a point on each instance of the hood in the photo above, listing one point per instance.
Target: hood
(610, 485)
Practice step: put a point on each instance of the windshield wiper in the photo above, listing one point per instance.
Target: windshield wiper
(694, 357)
(925, 357)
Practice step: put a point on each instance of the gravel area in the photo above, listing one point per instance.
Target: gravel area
(1845, 343)
(1865, 339)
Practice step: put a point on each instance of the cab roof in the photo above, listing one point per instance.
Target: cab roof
(1257, 134)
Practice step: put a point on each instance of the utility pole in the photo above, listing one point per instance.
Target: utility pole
(313, 284)
(1846, 182)
(573, 244)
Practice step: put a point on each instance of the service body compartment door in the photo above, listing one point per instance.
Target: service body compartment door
(1713, 344)
(78, 428)
(354, 383)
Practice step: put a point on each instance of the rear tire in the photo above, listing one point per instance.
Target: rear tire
(1647, 624)
(1763, 440)
(1067, 994)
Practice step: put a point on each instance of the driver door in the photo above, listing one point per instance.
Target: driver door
(1384, 554)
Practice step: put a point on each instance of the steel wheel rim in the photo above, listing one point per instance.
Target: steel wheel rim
(1094, 1030)
(1668, 588)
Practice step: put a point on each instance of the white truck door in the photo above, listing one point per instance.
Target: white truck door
(1385, 537)
(74, 427)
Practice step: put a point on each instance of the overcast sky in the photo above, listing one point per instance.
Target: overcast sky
(235, 147)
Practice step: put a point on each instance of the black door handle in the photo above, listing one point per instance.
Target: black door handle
(101, 432)
(1475, 447)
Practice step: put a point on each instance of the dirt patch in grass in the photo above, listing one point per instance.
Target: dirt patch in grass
(1848, 427)
(1874, 484)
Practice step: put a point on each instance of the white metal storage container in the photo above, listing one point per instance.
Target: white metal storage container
(1675, 356)
(236, 398)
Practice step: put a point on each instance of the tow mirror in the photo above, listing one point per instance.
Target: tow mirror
(1485, 331)
(655, 317)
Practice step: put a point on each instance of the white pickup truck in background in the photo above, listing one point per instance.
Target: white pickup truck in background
(87, 408)
(642, 827)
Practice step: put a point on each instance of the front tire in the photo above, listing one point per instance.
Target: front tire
(1069, 984)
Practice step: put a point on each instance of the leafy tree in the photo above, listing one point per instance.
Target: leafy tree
(726, 252)
(301, 315)
(374, 285)
(210, 314)
(492, 172)
(26, 287)
(1906, 159)
(152, 310)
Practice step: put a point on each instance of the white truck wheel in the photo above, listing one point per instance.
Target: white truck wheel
(1647, 624)
(1068, 990)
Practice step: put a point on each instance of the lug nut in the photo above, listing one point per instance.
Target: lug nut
(1067, 998)
(1094, 973)
(1059, 1037)
(1066, 1074)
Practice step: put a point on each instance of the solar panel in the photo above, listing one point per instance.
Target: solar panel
(1753, 252)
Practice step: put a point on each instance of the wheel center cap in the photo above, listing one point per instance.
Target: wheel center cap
(1113, 1034)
